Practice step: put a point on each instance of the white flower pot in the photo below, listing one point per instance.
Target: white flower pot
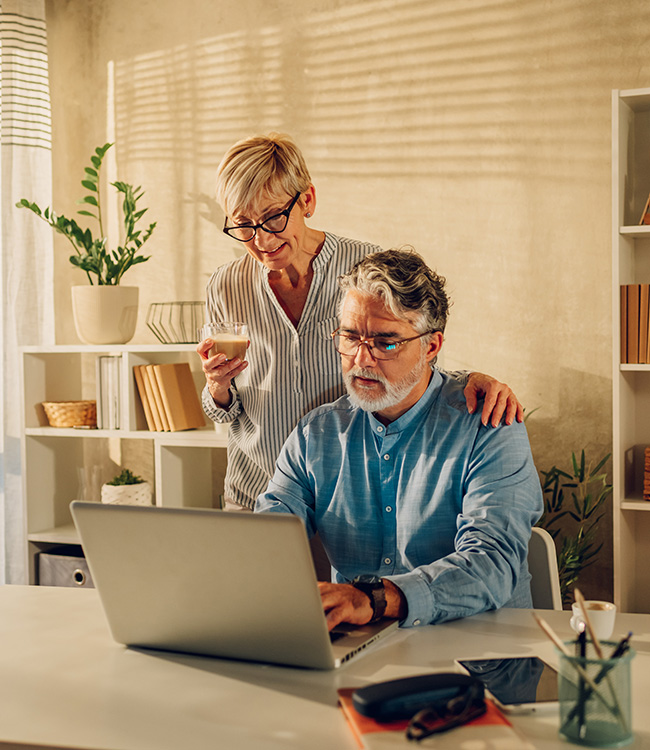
(105, 314)
(127, 494)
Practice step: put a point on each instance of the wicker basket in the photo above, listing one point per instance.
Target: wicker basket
(71, 413)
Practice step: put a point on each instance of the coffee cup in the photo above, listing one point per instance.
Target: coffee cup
(227, 338)
(601, 616)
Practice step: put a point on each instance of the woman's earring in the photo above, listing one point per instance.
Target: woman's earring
(308, 215)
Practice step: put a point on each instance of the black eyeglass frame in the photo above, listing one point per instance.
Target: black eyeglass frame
(286, 213)
(371, 346)
(472, 706)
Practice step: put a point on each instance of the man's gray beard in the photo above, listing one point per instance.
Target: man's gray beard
(393, 394)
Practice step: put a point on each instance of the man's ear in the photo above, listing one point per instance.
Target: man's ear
(434, 346)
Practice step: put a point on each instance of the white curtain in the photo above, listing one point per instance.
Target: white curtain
(26, 271)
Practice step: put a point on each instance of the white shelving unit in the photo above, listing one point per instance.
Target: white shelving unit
(631, 382)
(184, 462)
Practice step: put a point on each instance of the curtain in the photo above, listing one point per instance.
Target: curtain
(26, 268)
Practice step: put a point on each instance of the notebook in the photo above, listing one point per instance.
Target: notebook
(209, 582)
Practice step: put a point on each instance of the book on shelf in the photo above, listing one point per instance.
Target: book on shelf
(490, 730)
(179, 397)
(154, 393)
(108, 386)
(144, 398)
(635, 323)
(645, 215)
(623, 335)
(153, 405)
(644, 292)
(169, 398)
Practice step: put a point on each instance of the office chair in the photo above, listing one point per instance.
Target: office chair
(542, 564)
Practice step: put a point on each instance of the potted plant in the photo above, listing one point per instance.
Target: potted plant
(104, 312)
(127, 489)
(578, 498)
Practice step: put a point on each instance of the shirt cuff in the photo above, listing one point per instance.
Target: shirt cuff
(419, 598)
(217, 413)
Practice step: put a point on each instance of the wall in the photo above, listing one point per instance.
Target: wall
(477, 131)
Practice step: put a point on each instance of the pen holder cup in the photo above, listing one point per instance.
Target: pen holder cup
(595, 697)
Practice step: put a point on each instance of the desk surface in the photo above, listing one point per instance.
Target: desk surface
(66, 683)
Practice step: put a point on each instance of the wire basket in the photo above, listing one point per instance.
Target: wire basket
(176, 322)
(71, 413)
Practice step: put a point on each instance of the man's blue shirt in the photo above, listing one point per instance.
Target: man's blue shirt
(434, 501)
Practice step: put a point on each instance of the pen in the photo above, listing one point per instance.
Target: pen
(581, 644)
(621, 648)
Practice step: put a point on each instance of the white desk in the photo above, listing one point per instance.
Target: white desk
(64, 682)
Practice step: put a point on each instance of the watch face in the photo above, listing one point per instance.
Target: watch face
(367, 579)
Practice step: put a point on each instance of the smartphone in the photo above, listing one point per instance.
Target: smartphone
(518, 684)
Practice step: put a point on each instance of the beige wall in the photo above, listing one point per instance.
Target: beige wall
(477, 132)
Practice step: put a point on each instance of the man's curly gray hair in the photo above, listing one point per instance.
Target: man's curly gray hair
(405, 284)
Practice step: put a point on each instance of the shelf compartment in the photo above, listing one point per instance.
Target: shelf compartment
(66, 534)
(190, 476)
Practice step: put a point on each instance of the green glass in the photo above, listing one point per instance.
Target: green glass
(595, 696)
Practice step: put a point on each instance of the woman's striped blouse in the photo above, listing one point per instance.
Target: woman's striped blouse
(291, 370)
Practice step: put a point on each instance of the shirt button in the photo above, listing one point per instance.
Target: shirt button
(417, 622)
(380, 429)
(386, 456)
(387, 561)
(388, 509)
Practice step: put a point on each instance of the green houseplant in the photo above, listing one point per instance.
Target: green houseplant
(105, 313)
(126, 488)
(577, 498)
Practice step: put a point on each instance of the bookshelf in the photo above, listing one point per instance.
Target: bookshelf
(631, 381)
(187, 466)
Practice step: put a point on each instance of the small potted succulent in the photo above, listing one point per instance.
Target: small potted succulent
(126, 489)
(106, 311)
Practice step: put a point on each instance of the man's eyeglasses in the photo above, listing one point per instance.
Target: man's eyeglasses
(378, 346)
(460, 709)
(273, 225)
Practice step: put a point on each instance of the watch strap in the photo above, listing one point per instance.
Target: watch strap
(376, 592)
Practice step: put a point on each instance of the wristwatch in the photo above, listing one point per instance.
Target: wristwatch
(373, 588)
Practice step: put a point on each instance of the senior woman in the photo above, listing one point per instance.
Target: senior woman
(285, 288)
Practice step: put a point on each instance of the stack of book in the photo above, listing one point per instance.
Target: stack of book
(169, 398)
(635, 315)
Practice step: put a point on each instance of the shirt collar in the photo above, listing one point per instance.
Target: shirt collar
(415, 413)
(320, 261)
(326, 252)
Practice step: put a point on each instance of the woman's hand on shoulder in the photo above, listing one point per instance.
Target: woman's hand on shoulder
(499, 399)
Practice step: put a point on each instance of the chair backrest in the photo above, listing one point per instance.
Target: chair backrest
(542, 564)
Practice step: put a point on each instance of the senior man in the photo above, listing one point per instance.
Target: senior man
(424, 512)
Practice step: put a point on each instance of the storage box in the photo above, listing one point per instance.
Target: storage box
(64, 567)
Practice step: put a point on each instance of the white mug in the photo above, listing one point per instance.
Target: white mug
(601, 616)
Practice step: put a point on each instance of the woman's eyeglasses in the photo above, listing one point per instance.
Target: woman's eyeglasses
(273, 225)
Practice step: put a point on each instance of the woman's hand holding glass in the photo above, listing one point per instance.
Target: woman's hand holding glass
(219, 372)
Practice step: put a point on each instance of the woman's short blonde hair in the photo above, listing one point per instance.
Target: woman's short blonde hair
(257, 168)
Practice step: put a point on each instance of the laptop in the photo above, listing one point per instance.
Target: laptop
(209, 582)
